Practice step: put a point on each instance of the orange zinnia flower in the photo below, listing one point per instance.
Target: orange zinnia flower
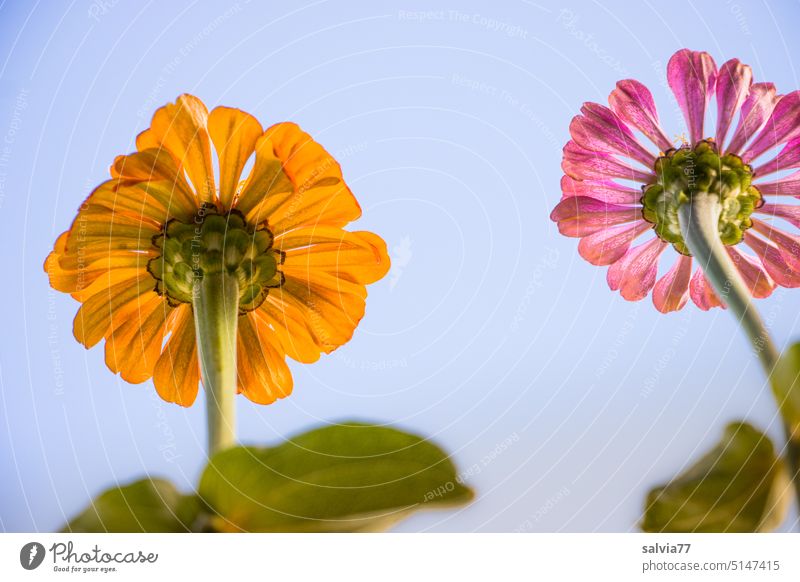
(144, 241)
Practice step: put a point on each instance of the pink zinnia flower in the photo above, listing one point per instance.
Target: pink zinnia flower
(615, 189)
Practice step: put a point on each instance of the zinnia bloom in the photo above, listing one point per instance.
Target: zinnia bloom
(167, 219)
(616, 189)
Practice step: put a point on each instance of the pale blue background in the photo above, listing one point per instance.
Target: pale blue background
(490, 329)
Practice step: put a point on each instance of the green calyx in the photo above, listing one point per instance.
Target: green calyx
(211, 243)
(684, 172)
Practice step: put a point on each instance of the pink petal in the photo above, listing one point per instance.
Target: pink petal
(788, 212)
(635, 273)
(787, 159)
(752, 271)
(774, 261)
(606, 246)
(584, 164)
(672, 291)
(579, 216)
(788, 245)
(605, 190)
(633, 103)
(733, 85)
(756, 109)
(691, 76)
(599, 129)
(702, 293)
(788, 186)
(783, 126)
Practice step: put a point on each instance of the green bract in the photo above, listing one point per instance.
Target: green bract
(207, 245)
(687, 171)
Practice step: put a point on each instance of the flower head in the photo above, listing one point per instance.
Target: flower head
(616, 189)
(166, 219)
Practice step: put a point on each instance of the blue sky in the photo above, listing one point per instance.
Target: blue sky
(563, 402)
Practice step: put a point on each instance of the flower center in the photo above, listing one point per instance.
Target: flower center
(687, 171)
(210, 243)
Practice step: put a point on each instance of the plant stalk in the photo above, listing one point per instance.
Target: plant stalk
(216, 314)
(699, 219)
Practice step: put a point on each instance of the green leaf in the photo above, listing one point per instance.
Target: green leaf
(349, 477)
(739, 486)
(785, 382)
(149, 505)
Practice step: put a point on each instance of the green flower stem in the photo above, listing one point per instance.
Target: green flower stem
(216, 314)
(699, 218)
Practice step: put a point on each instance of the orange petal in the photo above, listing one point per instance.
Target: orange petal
(70, 276)
(147, 140)
(331, 315)
(358, 257)
(267, 185)
(152, 202)
(157, 166)
(110, 308)
(296, 183)
(263, 375)
(234, 134)
(135, 346)
(305, 161)
(181, 128)
(52, 264)
(107, 279)
(154, 163)
(177, 373)
(103, 247)
(328, 205)
(96, 225)
(292, 330)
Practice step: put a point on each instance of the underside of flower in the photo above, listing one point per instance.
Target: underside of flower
(211, 243)
(191, 266)
(688, 171)
(623, 199)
